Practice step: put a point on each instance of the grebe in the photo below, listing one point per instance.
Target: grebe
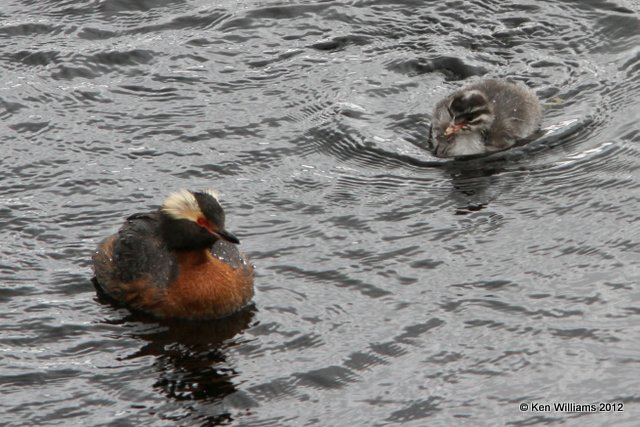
(162, 263)
(484, 117)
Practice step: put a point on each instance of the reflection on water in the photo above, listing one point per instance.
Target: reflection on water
(392, 287)
(189, 357)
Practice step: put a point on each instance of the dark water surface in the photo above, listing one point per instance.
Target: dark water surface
(393, 288)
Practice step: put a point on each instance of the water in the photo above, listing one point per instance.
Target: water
(393, 288)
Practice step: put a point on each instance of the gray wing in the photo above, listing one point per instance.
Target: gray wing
(516, 108)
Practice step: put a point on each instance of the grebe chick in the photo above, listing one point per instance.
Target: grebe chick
(161, 262)
(484, 117)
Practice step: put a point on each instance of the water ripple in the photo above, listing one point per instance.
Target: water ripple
(418, 290)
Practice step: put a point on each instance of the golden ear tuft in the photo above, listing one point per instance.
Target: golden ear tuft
(182, 205)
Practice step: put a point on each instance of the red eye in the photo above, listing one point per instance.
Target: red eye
(202, 222)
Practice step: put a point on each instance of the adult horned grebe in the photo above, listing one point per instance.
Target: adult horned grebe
(484, 117)
(162, 263)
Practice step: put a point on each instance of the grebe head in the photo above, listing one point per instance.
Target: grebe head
(470, 112)
(194, 220)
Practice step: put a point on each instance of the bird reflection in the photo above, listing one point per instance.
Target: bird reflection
(190, 357)
(474, 184)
